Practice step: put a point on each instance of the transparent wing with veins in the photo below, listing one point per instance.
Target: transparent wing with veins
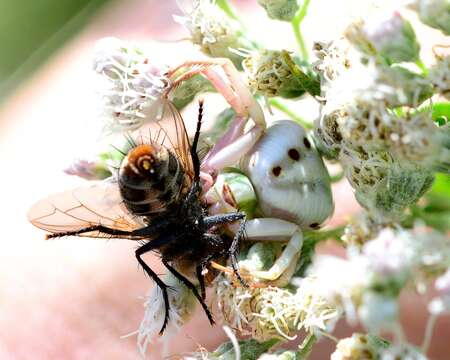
(98, 203)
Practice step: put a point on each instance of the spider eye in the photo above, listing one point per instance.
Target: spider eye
(276, 171)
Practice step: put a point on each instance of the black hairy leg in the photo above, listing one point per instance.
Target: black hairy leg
(152, 245)
(191, 287)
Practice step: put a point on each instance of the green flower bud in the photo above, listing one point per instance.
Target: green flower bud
(283, 10)
(393, 38)
(396, 187)
(434, 13)
(184, 93)
(269, 74)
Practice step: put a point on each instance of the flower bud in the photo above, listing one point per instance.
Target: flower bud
(356, 347)
(391, 188)
(290, 178)
(212, 30)
(280, 9)
(434, 13)
(440, 76)
(95, 169)
(391, 37)
(269, 74)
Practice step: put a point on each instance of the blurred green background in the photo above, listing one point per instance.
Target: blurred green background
(31, 30)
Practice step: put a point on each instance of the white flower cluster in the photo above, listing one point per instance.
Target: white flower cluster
(271, 312)
(133, 84)
(360, 127)
(367, 285)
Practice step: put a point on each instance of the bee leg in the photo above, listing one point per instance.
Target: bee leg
(139, 252)
(99, 228)
(201, 280)
(222, 219)
(191, 287)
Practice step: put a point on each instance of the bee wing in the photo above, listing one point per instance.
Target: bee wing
(171, 132)
(77, 209)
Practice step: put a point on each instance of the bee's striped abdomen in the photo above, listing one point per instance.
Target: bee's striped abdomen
(150, 179)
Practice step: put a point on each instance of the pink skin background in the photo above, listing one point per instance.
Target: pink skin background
(74, 298)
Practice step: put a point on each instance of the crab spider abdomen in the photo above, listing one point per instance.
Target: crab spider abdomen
(289, 176)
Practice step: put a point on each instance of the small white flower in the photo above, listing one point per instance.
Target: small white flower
(389, 255)
(211, 29)
(182, 303)
(341, 282)
(356, 347)
(132, 84)
(271, 312)
(441, 303)
(378, 312)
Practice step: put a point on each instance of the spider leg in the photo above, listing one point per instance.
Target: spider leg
(232, 252)
(191, 287)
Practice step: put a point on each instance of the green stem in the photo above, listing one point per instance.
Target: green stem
(422, 67)
(228, 9)
(296, 22)
(318, 236)
(277, 104)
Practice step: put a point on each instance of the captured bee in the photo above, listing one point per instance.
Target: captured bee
(154, 199)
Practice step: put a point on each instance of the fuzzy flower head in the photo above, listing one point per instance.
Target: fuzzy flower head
(182, 303)
(391, 37)
(132, 84)
(269, 74)
(270, 312)
(211, 29)
(280, 9)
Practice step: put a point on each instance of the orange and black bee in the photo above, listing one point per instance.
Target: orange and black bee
(155, 199)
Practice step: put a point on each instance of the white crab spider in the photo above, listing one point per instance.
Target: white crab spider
(291, 182)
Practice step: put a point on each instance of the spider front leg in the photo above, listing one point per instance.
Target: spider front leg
(232, 88)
